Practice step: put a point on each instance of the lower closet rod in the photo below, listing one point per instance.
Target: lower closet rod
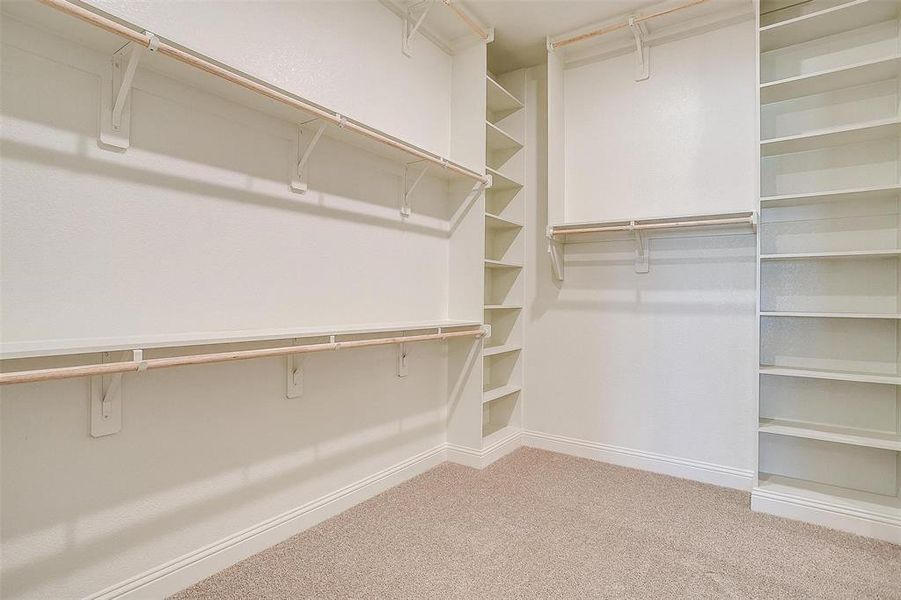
(199, 359)
(644, 226)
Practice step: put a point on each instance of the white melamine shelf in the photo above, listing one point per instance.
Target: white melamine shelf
(829, 433)
(496, 222)
(836, 254)
(505, 349)
(500, 101)
(183, 340)
(836, 19)
(848, 195)
(500, 181)
(831, 315)
(499, 434)
(832, 79)
(833, 136)
(499, 392)
(503, 307)
(852, 376)
(819, 494)
(499, 264)
(498, 139)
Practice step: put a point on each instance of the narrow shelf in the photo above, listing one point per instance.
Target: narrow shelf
(505, 349)
(494, 435)
(831, 315)
(855, 377)
(818, 494)
(832, 79)
(501, 181)
(498, 139)
(828, 255)
(848, 195)
(833, 136)
(64, 347)
(829, 21)
(828, 433)
(496, 222)
(499, 392)
(503, 307)
(498, 264)
(500, 101)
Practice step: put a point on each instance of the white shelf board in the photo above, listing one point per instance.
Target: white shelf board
(832, 79)
(499, 264)
(498, 139)
(65, 347)
(828, 433)
(500, 181)
(496, 222)
(830, 255)
(499, 434)
(831, 496)
(855, 377)
(833, 136)
(836, 19)
(499, 392)
(503, 307)
(848, 195)
(505, 349)
(500, 101)
(831, 315)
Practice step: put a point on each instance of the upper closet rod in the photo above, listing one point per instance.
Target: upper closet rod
(199, 359)
(637, 226)
(195, 61)
(467, 19)
(623, 25)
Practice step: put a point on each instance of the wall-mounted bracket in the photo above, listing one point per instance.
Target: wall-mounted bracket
(115, 103)
(406, 208)
(106, 398)
(556, 252)
(641, 250)
(299, 171)
(639, 33)
(294, 375)
(413, 22)
(402, 367)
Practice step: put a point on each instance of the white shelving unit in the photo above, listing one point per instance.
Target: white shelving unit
(829, 434)
(504, 255)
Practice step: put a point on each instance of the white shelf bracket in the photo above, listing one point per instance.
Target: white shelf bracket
(299, 172)
(294, 375)
(402, 368)
(641, 250)
(639, 33)
(115, 109)
(412, 23)
(555, 250)
(106, 398)
(406, 208)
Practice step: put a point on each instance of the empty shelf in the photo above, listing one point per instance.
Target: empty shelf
(851, 376)
(848, 195)
(499, 392)
(833, 136)
(496, 222)
(503, 307)
(500, 101)
(831, 315)
(837, 254)
(828, 433)
(831, 496)
(829, 21)
(499, 264)
(505, 349)
(832, 79)
(498, 139)
(499, 181)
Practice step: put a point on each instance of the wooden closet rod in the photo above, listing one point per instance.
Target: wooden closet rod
(623, 25)
(475, 27)
(646, 226)
(254, 86)
(200, 359)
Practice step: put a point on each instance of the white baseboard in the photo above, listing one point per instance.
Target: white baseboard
(479, 459)
(177, 574)
(844, 518)
(721, 475)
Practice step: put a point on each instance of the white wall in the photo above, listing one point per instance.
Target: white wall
(663, 362)
(194, 228)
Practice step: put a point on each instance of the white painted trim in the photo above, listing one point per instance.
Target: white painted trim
(479, 459)
(853, 520)
(721, 475)
(190, 568)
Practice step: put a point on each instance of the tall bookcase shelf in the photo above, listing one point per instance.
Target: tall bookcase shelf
(829, 434)
(504, 254)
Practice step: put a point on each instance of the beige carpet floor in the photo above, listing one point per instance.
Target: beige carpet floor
(542, 525)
